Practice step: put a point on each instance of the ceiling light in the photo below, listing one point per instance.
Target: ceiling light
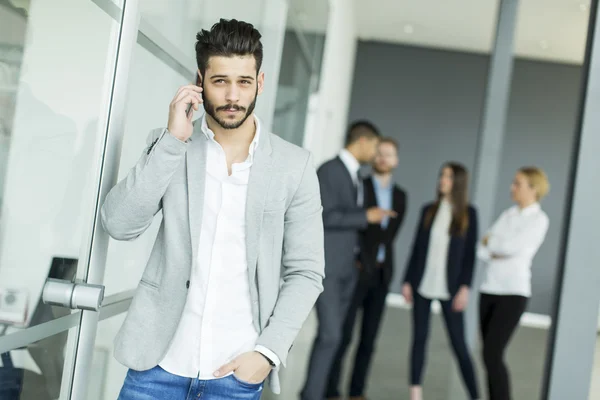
(408, 28)
(544, 44)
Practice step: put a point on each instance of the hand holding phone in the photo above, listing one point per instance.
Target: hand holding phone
(188, 111)
(188, 97)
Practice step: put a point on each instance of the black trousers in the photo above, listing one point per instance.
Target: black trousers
(499, 317)
(370, 294)
(456, 331)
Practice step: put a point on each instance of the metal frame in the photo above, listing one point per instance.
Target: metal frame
(108, 177)
(573, 336)
(153, 41)
(24, 338)
(156, 43)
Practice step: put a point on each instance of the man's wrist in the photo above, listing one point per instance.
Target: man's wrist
(271, 363)
(271, 357)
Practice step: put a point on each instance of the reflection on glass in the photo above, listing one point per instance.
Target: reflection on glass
(178, 22)
(34, 372)
(546, 76)
(108, 373)
(300, 68)
(147, 108)
(52, 90)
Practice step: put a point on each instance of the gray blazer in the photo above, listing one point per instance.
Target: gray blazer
(342, 217)
(284, 239)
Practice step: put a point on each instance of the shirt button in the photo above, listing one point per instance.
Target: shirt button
(187, 284)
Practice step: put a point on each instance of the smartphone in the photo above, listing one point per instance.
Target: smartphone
(189, 107)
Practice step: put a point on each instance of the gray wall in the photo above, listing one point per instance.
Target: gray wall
(431, 102)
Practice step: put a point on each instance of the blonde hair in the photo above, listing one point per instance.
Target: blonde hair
(537, 179)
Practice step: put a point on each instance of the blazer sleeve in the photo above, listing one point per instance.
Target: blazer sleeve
(336, 215)
(130, 206)
(412, 260)
(466, 274)
(303, 267)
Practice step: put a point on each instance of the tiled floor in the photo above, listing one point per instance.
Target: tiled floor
(390, 367)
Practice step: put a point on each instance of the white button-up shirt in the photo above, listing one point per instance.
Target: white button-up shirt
(217, 323)
(434, 284)
(515, 237)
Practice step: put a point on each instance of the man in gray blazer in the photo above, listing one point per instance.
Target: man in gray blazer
(344, 217)
(238, 261)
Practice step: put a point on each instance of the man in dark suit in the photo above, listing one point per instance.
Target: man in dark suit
(376, 269)
(343, 218)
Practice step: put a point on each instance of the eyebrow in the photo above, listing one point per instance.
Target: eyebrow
(226, 76)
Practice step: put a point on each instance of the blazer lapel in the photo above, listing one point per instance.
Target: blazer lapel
(258, 185)
(370, 196)
(196, 176)
(349, 177)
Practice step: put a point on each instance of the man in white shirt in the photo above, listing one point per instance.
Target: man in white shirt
(215, 313)
(344, 217)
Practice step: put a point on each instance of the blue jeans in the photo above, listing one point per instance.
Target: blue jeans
(158, 384)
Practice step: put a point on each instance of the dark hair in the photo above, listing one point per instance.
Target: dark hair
(459, 200)
(359, 129)
(228, 38)
(391, 141)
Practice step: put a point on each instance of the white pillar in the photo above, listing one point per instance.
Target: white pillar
(331, 113)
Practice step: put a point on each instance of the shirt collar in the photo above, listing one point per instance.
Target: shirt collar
(350, 162)
(445, 204)
(529, 209)
(210, 135)
(379, 186)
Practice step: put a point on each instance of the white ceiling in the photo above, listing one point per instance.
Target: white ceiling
(553, 30)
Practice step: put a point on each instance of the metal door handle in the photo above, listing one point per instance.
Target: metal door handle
(76, 296)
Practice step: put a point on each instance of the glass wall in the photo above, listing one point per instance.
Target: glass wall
(541, 130)
(52, 113)
(300, 68)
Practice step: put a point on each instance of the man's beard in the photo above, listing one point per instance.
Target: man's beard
(212, 110)
(381, 171)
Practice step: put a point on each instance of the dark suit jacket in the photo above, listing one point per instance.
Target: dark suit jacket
(461, 254)
(342, 218)
(375, 235)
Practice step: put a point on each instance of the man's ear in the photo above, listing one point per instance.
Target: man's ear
(261, 82)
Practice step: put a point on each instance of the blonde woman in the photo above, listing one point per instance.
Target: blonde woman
(508, 249)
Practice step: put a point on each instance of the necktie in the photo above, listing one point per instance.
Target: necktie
(359, 189)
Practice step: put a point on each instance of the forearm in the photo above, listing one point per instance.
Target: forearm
(296, 300)
(130, 206)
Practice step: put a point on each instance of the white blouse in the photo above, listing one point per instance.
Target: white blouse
(434, 284)
(514, 239)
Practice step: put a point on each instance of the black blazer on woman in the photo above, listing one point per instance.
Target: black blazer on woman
(461, 254)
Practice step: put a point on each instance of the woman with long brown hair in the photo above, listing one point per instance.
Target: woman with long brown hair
(440, 268)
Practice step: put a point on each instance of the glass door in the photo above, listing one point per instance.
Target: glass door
(57, 71)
